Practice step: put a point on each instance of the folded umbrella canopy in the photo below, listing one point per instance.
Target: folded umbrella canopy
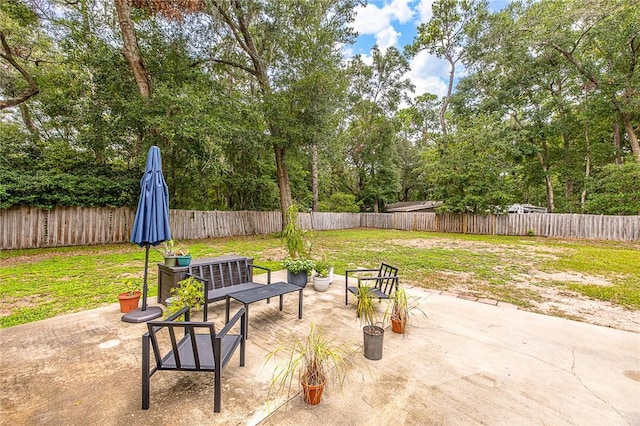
(151, 225)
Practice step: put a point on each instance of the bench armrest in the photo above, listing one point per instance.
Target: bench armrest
(264, 269)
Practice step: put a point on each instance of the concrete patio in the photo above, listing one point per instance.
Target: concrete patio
(467, 363)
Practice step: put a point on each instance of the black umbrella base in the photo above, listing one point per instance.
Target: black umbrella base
(138, 315)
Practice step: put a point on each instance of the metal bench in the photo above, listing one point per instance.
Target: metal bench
(224, 277)
(200, 352)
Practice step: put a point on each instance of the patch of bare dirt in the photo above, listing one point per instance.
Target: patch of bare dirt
(547, 290)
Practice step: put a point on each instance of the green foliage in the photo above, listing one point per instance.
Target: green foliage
(188, 293)
(340, 202)
(615, 190)
(298, 265)
(367, 308)
(322, 268)
(132, 285)
(296, 240)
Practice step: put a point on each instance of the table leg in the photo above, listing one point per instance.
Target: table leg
(281, 301)
(226, 311)
(246, 323)
(300, 304)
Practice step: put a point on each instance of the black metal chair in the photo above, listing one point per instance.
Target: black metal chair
(177, 346)
(384, 281)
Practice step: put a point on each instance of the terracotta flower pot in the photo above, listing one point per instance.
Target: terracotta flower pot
(398, 325)
(128, 301)
(312, 393)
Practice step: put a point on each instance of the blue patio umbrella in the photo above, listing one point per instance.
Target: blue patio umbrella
(151, 225)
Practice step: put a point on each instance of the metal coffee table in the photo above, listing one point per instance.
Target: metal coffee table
(266, 291)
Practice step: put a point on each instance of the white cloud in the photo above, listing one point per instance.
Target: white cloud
(377, 21)
(387, 38)
(424, 11)
(429, 74)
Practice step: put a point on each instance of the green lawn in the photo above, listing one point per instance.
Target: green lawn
(42, 283)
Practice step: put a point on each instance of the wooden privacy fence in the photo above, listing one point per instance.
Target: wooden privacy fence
(30, 227)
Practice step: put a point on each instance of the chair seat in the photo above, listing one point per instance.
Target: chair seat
(203, 341)
(376, 291)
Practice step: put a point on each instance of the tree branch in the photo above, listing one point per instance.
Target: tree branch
(33, 87)
(235, 65)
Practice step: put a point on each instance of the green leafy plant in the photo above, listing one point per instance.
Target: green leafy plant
(366, 309)
(322, 268)
(132, 286)
(401, 307)
(313, 361)
(188, 293)
(296, 266)
(296, 240)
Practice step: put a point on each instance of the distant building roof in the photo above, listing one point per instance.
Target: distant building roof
(414, 206)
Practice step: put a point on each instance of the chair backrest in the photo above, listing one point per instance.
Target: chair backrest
(390, 275)
(177, 346)
(223, 274)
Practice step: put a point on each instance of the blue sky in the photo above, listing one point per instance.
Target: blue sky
(394, 23)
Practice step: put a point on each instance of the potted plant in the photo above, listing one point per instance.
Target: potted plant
(367, 313)
(321, 279)
(188, 293)
(398, 311)
(130, 298)
(298, 270)
(168, 251)
(313, 362)
(183, 257)
(297, 263)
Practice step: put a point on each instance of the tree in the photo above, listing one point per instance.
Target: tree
(447, 35)
(263, 39)
(601, 40)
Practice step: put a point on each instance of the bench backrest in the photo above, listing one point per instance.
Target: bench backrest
(389, 273)
(224, 274)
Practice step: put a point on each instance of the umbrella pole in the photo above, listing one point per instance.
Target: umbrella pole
(144, 314)
(146, 273)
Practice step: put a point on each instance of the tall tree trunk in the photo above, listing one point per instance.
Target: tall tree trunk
(568, 161)
(314, 177)
(547, 178)
(616, 142)
(587, 171)
(283, 183)
(131, 50)
(631, 134)
(30, 125)
(445, 101)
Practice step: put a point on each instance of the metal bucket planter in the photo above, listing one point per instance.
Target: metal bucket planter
(373, 339)
(299, 279)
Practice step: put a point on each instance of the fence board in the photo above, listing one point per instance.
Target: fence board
(30, 227)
